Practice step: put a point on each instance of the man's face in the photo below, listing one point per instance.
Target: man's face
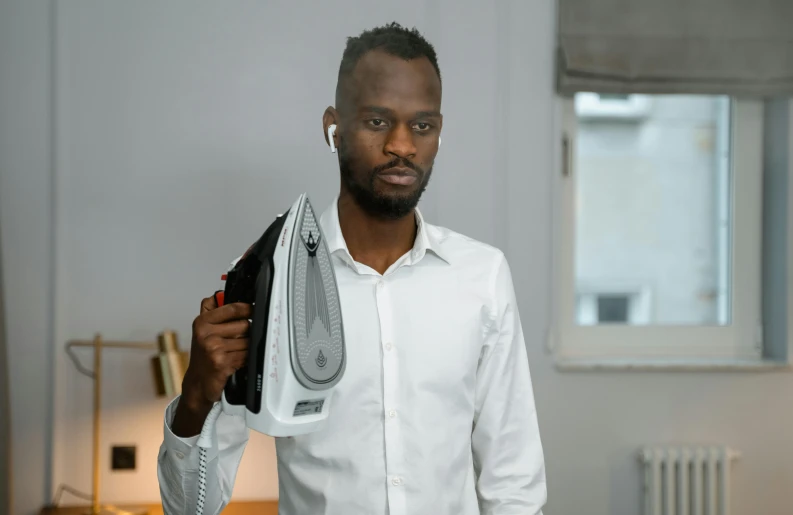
(388, 132)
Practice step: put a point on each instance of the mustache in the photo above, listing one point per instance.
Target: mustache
(397, 162)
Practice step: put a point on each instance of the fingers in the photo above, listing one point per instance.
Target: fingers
(228, 312)
(226, 356)
(233, 329)
(218, 348)
(235, 345)
(208, 304)
(220, 344)
(237, 359)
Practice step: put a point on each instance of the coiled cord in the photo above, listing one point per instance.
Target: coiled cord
(205, 443)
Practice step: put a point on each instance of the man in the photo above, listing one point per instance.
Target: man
(435, 413)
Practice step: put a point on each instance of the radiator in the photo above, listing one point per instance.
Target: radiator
(687, 480)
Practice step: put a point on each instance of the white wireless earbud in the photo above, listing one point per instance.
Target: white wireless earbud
(439, 142)
(331, 131)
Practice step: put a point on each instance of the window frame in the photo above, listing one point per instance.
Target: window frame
(738, 341)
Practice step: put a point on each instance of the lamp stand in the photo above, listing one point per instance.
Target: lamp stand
(96, 508)
(168, 367)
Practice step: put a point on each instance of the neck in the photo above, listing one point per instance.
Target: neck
(374, 242)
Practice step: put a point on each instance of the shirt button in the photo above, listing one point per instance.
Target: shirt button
(392, 413)
(396, 481)
(388, 346)
(380, 284)
(179, 455)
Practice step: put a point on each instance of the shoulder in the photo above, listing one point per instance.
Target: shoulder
(469, 256)
(480, 270)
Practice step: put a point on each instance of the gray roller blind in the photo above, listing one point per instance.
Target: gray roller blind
(730, 47)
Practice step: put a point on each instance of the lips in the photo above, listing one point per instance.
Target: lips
(399, 176)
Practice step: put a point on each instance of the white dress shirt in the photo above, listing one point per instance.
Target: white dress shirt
(435, 413)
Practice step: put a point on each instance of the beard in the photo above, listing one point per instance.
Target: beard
(381, 205)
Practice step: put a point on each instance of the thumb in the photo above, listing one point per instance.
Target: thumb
(208, 304)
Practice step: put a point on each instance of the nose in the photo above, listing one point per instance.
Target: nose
(400, 142)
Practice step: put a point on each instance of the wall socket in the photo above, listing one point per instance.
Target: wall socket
(123, 457)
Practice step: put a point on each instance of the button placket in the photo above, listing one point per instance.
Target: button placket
(393, 443)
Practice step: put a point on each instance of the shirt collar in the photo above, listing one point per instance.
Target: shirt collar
(425, 239)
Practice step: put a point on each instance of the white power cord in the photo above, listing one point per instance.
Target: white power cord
(204, 443)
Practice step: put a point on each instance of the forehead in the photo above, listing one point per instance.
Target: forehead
(385, 80)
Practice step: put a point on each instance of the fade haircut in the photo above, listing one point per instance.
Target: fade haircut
(393, 39)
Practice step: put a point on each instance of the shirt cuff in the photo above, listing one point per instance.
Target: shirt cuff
(183, 452)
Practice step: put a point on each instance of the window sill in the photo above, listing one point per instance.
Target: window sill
(670, 365)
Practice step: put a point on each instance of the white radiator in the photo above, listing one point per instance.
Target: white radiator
(687, 480)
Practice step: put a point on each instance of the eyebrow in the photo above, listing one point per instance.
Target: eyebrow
(428, 114)
(388, 112)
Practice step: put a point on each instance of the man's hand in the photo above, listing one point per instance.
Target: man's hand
(219, 348)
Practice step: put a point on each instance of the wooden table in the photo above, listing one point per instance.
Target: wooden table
(234, 508)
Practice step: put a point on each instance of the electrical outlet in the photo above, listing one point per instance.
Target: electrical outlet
(123, 457)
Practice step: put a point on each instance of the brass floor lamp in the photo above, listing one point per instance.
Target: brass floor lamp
(168, 367)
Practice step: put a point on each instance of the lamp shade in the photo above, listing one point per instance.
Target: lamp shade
(169, 365)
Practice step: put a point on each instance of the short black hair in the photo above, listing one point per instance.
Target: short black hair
(394, 39)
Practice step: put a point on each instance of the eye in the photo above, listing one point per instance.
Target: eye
(377, 122)
(422, 126)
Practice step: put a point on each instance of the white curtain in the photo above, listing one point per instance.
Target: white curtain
(5, 410)
(719, 47)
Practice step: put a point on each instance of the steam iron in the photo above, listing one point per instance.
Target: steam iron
(297, 351)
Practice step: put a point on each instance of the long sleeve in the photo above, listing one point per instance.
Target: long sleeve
(506, 445)
(178, 463)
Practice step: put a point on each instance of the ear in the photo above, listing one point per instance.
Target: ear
(330, 127)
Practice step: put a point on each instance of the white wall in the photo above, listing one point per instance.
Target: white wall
(181, 128)
(25, 214)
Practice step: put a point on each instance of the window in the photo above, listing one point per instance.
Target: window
(591, 106)
(612, 306)
(659, 228)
